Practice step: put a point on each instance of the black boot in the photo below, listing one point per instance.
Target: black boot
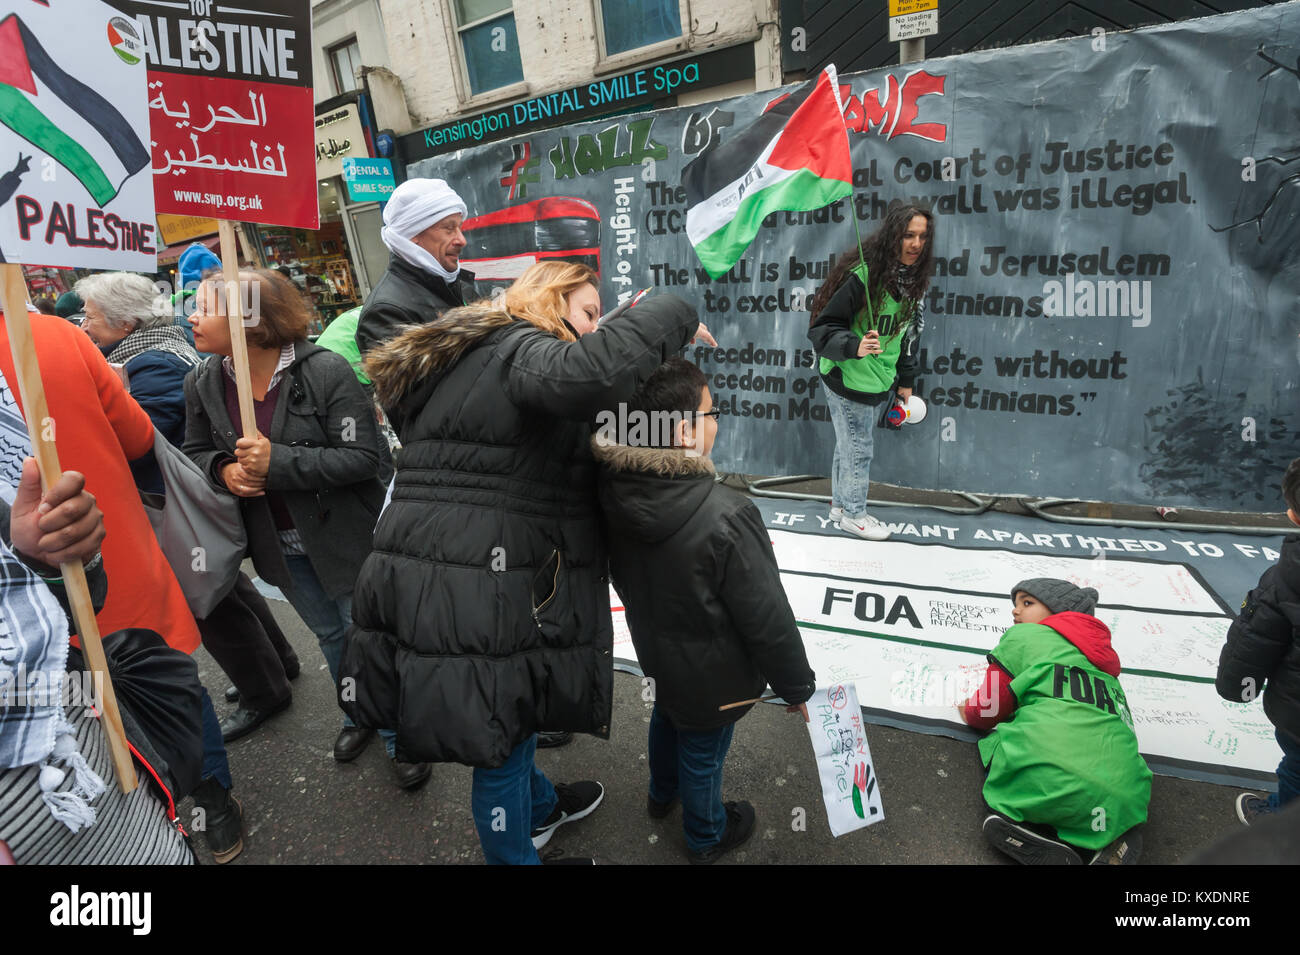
(223, 820)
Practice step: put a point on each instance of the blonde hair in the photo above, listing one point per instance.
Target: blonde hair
(538, 295)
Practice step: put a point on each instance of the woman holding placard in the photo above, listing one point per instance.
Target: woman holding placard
(309, 479)
(865, 327)
(134, 328)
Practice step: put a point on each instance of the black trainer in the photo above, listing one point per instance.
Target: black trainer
(1251, 808)
(740, 826)
(574, 801)
(1026, 846)
(557, 857)
(1123, 851)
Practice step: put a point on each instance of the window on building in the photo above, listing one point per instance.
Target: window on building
(490, 43)
(345, 61)
(629, 24)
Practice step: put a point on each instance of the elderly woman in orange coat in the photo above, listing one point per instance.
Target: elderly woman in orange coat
(98, 428)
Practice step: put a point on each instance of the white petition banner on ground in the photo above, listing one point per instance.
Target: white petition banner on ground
(912, 624)
(76, 186)
(850, 789)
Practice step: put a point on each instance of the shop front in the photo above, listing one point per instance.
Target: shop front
(48, 282)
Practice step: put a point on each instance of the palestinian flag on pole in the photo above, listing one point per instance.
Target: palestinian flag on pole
(63, 117)
(795, 157)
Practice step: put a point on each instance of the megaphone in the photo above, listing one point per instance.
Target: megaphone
(911, 411)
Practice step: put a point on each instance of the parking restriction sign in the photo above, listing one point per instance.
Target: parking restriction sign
(912, 19)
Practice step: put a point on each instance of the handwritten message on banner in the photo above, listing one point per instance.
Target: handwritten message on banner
(75, 187)
(230, 107)
(849, 785)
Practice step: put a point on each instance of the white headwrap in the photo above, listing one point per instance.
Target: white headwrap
(414, 206)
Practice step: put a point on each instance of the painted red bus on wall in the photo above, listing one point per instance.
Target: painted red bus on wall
(502, 244)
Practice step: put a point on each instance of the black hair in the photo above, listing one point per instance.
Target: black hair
(676, 388)
(880, 250)
(1291, 485)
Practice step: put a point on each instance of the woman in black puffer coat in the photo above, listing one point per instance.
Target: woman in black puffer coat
(482, 614)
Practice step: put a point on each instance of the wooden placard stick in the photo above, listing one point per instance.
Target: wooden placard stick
(13, 299)
(757, 699)
(235, 316)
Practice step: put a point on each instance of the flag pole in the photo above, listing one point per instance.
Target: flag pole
(234, 315)
(853, 206)
(862, 258)
(13, 299)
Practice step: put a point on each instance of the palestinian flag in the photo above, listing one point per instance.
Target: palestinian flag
(795, 157)
(63, 117)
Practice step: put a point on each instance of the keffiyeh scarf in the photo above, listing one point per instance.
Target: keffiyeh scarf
(34, 727)
(168, 338)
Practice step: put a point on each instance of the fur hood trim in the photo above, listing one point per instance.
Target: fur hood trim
(665, 462)
(396, 366)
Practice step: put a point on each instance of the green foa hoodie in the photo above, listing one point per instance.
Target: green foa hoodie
(871, 374)
(1068, 756)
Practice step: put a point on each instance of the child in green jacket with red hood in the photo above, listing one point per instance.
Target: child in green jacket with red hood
(1065, 778)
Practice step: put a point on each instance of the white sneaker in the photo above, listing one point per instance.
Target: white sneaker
(837, 514)
(867, 527)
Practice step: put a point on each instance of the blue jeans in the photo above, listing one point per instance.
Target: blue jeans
(508, 804)
(1288, 771)
(214, 750)
(689, 764)
(855, 425)
(329, 619)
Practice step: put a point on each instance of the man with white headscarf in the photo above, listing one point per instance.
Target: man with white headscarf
(422, 222)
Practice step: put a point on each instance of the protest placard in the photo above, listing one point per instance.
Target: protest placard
(232, 120)
(850, 788)
(231, 107)
(75, 187)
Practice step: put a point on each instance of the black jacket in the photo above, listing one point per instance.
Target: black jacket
(325, 462)
(833, 338)
(408, 295)
(482, 616)
(694, 567)
(1263, 649)
(156, 379)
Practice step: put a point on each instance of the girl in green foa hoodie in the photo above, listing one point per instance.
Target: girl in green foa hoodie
(1065, 778)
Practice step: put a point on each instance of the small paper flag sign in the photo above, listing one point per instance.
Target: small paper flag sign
(850, 788)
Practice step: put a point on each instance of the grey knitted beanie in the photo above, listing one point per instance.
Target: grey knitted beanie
(1058, 595)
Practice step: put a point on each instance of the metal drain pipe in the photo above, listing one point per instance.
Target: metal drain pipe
(1037, 509)
(759, 488)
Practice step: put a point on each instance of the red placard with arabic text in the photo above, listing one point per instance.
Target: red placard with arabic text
(231, 109)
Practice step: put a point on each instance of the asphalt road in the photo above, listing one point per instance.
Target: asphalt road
(301, 807)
